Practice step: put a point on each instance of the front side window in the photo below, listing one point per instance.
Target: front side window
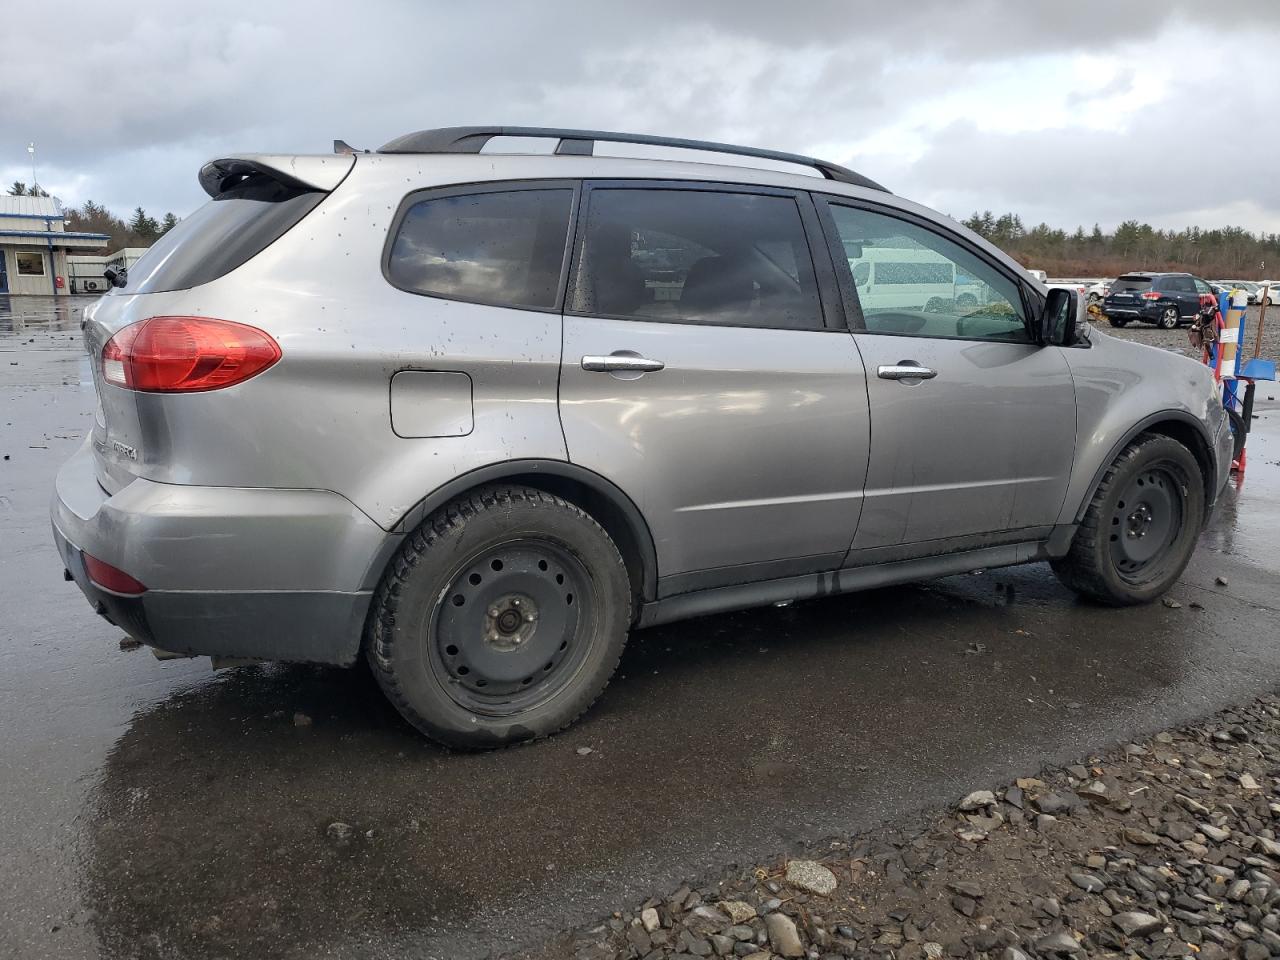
(912, 280)
(30, 264)
(695, 256)
(504, 247)
(1202, 288)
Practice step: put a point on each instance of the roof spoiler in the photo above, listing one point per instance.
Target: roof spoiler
(319, 173)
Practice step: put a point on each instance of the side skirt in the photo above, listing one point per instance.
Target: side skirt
(765, 592)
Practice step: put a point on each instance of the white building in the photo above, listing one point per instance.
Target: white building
(34, 242)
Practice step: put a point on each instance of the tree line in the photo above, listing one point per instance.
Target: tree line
(1228, 253)
(140, 230)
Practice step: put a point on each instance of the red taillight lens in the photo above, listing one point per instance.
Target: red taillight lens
(186, 354)
(109, 578)
(1151, 295)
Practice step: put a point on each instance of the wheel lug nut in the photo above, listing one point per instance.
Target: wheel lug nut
(515, 602)
(493, 612)
(529, 618)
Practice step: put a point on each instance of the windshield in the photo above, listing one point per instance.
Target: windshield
(220, 236)
(1131, 284)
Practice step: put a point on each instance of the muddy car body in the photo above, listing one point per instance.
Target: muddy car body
(479, 415)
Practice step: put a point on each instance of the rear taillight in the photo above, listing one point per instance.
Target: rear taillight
(110, 578)
(1151, 295)
(186, 354)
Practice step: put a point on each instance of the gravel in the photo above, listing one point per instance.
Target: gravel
(1166, 848)
(1177, 339)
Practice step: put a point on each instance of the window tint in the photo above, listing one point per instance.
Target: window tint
(227, 231)
(1131, 284)
(1184, 285)
(1202, 287)
(503, 248)
(911, 280)
(736, 259)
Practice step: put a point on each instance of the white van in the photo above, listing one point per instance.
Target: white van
(903, 278)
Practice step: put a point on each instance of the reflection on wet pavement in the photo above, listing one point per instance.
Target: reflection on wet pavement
(160, 810)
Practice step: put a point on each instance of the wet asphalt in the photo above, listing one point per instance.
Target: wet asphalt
(163, 810)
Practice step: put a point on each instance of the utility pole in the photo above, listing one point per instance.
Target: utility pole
(31, 149)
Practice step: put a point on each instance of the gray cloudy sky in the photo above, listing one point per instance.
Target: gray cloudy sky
(1073, 112)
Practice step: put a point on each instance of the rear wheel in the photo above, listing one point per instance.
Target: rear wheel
(501, 619)
(1169, 318)
(1117, 321)
(1141, 525)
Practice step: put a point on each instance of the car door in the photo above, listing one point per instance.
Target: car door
(972, 423)
(706, 372)
(1184, 289)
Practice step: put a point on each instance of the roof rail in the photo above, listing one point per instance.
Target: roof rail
(582, 143)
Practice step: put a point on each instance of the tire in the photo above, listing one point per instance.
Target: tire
(1169, 319)
(501, 618)
(1154, 488)
(1117, 321)
(1238, 434)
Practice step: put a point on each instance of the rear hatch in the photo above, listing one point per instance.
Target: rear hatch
(254, 200)
(1128, 291)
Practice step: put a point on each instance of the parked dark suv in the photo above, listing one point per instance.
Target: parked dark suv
(1165, 299)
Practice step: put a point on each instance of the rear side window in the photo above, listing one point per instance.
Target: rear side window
(505, 248)
(1131, 284)
(695, 256)
(238, 224)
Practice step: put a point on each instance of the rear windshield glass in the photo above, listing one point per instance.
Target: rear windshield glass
(220, 236)
(1131, 284)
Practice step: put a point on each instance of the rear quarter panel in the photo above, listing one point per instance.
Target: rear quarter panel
(321, 418)
(1119, 384)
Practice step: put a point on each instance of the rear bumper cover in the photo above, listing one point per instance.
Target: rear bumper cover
(232, 572)
(1149, 310)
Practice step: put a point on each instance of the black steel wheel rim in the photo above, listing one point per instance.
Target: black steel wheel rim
(1146, 521)
(513, 627)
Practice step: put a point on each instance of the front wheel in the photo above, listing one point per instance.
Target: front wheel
(1168, 319)
(501, 619)
(1141, 526)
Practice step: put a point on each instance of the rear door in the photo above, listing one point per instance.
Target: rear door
(977, 448)
(1183, 289)
(706, 373)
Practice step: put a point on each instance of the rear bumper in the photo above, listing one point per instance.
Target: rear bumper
(232, 572)
(1148, 311)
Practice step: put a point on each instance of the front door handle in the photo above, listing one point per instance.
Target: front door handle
(621, 361)
(905, 370)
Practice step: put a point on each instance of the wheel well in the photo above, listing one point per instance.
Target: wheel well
(1191, 438)
(636, 553)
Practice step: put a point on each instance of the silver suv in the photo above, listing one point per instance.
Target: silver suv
(477, 415)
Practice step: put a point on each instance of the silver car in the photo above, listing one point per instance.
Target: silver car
(475, 416)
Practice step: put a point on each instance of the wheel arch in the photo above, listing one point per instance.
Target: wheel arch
(598, 496)
(1177, 425)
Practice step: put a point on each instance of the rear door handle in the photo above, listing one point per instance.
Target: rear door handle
(905, 370)
(621, 361)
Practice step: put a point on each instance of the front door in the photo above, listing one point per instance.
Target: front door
(972, 423)
(4, 272)
(703, 376)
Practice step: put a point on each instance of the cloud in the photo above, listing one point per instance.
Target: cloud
(960, 105)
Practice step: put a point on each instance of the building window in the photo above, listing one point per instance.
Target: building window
(29, 264)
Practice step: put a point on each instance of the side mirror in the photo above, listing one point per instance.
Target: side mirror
(1060, 317)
